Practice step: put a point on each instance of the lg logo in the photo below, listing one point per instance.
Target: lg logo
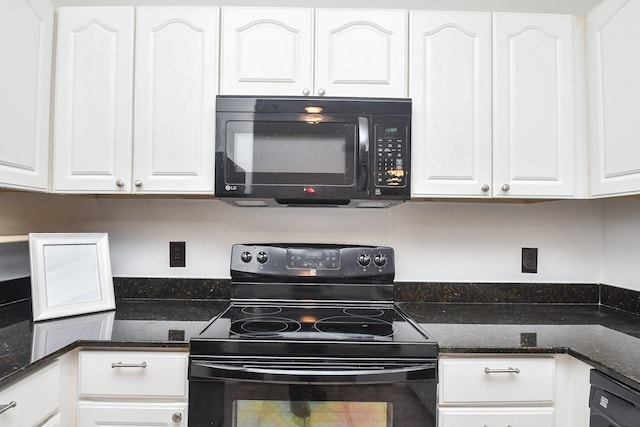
(230, 187)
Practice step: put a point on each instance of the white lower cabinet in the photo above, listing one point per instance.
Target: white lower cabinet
(512, 391)
(132, 388)
(498, 417)
(496, 391)
(132, 414)
(33, 401)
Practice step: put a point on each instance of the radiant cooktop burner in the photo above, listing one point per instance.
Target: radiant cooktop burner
(297, 300)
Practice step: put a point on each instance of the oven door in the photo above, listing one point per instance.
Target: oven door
(290, 157)
(303, 392)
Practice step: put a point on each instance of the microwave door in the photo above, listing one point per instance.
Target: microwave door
(282, 158)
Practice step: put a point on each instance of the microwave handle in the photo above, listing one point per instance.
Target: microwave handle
(363, 153)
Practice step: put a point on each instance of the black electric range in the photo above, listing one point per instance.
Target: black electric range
(312, 334)
(302, 299)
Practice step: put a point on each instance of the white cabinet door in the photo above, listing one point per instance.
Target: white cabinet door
(534, 106)
(270, 51)
(514, 417)
(175, 87)
(26, 37)
(613, 43)
(132, 414)
(93, 105)
(266, 51)
(361, 52)
(450, 79)
(33, 399)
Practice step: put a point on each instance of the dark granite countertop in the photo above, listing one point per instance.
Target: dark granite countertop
(606, 338)
(25, 345)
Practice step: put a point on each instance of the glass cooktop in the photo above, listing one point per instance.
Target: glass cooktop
(256, 328)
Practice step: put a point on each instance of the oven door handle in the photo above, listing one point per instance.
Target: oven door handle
(208, 370)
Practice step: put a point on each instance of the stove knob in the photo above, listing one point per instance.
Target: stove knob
(364, 260)
(245, 256)
(380, 260)
(262, 257)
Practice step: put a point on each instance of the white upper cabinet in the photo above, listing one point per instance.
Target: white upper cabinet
(266, 50)
(613, 43)
(93, 102)
(270, 51)
(175, 88)
(361, 52)
(533, 105)
(494, 105)
(450, 79)
(169, 148)
(26, 39)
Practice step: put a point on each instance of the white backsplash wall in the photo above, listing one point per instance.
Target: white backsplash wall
(621, 243)
(444, 241)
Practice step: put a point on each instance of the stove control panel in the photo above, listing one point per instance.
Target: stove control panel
(313, 260)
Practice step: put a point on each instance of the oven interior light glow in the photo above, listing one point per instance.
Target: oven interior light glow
(313, 110)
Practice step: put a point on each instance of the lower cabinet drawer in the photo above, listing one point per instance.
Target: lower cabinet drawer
(131, 414)
(132, 374)
(496, 417)
(512, 380)
(32, 399)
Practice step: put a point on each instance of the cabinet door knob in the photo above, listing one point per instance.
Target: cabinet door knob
(176, 417)
(321, 92)
(119, 183)
(138, 183)
(506, 187)
(485, 188)
(306, 92)
(5, 408)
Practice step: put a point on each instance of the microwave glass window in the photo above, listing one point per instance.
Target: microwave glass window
(291, 152)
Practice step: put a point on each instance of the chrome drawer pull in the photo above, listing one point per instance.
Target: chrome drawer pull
(501, 371)
(129, 365)
(5, 408)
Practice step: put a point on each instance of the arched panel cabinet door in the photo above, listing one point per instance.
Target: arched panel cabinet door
(450, 79)
(26, 38)
(266, 51)
(361, 52)
(534, 111)
(175, 87)
(613, 43)
(93, 103)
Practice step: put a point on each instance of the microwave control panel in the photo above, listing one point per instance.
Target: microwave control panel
(390, 155)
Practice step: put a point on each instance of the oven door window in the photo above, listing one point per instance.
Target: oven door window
(311, 413)
(291, 153)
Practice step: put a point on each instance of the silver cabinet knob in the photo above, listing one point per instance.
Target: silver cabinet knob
(138, 183)
(321, 92)
(485, 188)
(306, 92)
(506, 187)
(176, 417)
(120, 183)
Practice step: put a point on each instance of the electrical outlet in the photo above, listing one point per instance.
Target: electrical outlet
(529, 260)
(177, 254)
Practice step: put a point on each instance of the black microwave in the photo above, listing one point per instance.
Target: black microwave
(313, 151)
